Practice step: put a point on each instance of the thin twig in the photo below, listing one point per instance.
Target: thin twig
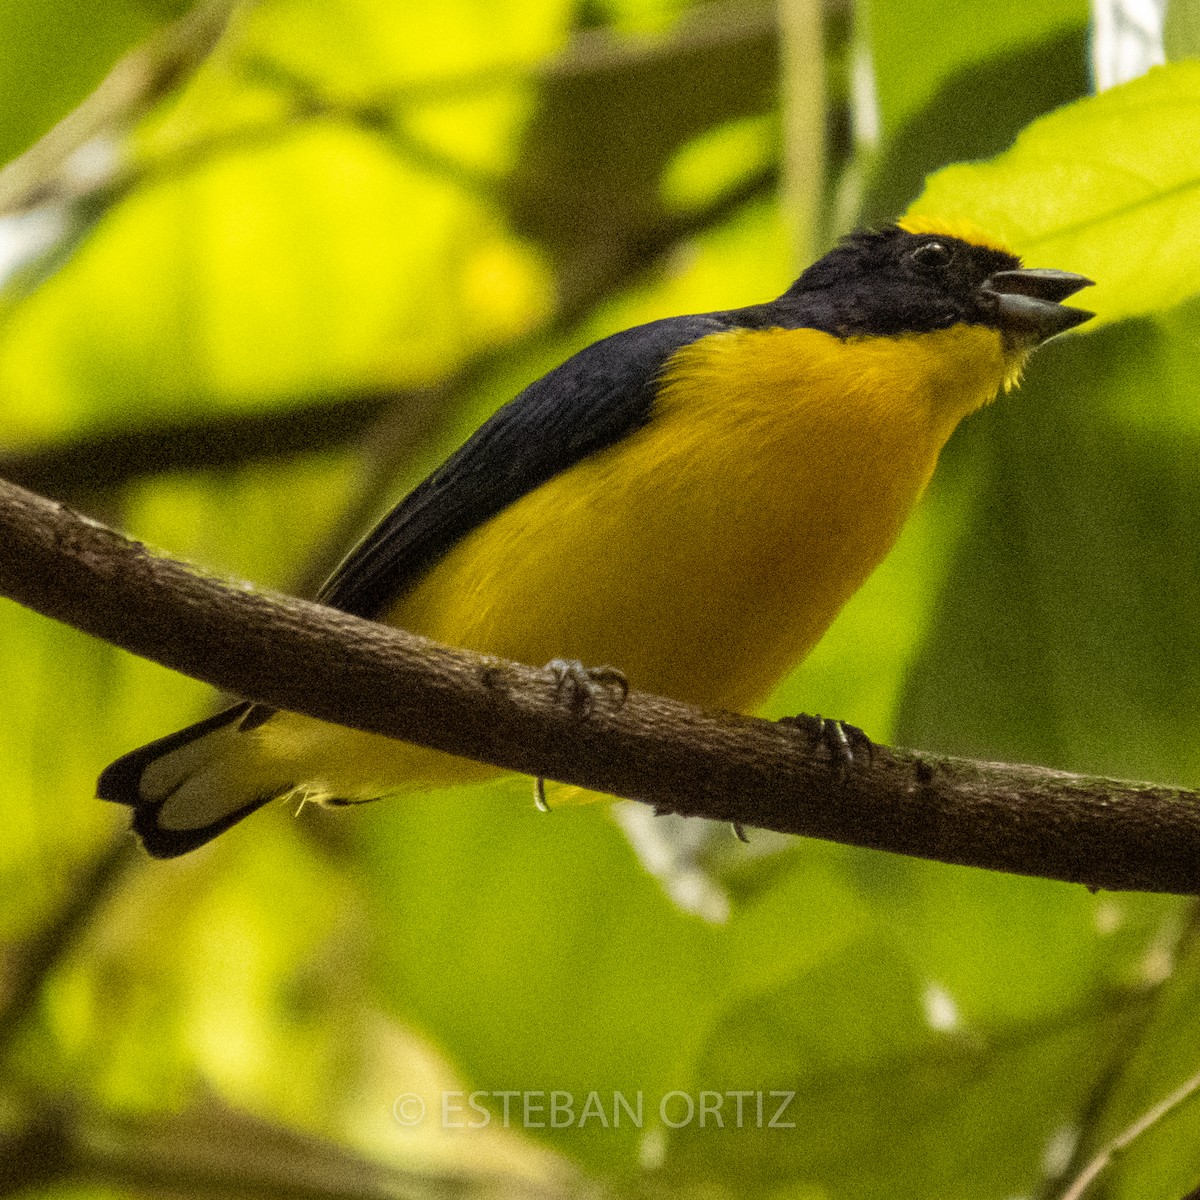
(1129, 1135)
(1182, 940)
(52, 942)
(137, 82)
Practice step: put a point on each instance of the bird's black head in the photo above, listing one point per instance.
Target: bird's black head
(896, 280)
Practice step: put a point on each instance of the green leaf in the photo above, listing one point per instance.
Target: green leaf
(975, 113)
(366, 47)
(917, 45)
(1108, 187)
(538, 954)
(1066, 633)
(1181, 30)
(206, 291)
(53, 53)
(881, 1105)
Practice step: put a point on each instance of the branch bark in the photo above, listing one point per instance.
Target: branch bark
(216, 1153)
(315, 660)
(100, 460)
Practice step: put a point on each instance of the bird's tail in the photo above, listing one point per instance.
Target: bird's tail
(186, 788)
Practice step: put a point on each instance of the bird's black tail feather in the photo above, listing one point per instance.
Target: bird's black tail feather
(180, 795)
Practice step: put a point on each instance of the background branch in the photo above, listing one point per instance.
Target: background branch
(96, 461)
(314, 660)
(1184, 1093)
(96, 881)
(138, 81)
(215, 1152)
(388, 422)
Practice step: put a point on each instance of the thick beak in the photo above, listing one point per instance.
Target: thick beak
(1027, 302)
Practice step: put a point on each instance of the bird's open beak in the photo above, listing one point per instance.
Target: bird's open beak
(1027, 302)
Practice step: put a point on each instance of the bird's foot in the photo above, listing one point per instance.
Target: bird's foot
(581, 687)
(846, 743)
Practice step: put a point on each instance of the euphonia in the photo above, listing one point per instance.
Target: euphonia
(690, 501)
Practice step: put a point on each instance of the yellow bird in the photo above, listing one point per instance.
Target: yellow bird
(692, 501)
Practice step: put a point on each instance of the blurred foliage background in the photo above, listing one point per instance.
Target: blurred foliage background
(283, 258)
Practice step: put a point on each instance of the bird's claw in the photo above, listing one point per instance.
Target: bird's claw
(842, 740)
(845, 744)
(583, 685)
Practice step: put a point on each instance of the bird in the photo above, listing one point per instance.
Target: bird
(690, 502)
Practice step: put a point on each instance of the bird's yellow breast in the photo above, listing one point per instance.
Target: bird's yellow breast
(707, 552)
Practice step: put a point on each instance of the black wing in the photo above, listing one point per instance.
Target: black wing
(583, 406)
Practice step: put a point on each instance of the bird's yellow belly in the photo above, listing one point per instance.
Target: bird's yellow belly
(697, 587)
(705, 554)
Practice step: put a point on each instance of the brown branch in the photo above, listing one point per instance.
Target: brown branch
(138, 81)
(58, 936)
(295, 655)
(217, 1153)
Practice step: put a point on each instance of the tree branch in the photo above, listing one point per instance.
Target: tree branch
(310, 659)
(216, 1153)
(1182, 1094)
(39, 956)
(76, 469)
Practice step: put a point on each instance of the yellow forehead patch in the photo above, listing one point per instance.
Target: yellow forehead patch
(964, 230)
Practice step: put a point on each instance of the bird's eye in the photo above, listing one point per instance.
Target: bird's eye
(932, 255)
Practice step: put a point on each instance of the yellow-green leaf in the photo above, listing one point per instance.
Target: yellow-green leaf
(1109, 187)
